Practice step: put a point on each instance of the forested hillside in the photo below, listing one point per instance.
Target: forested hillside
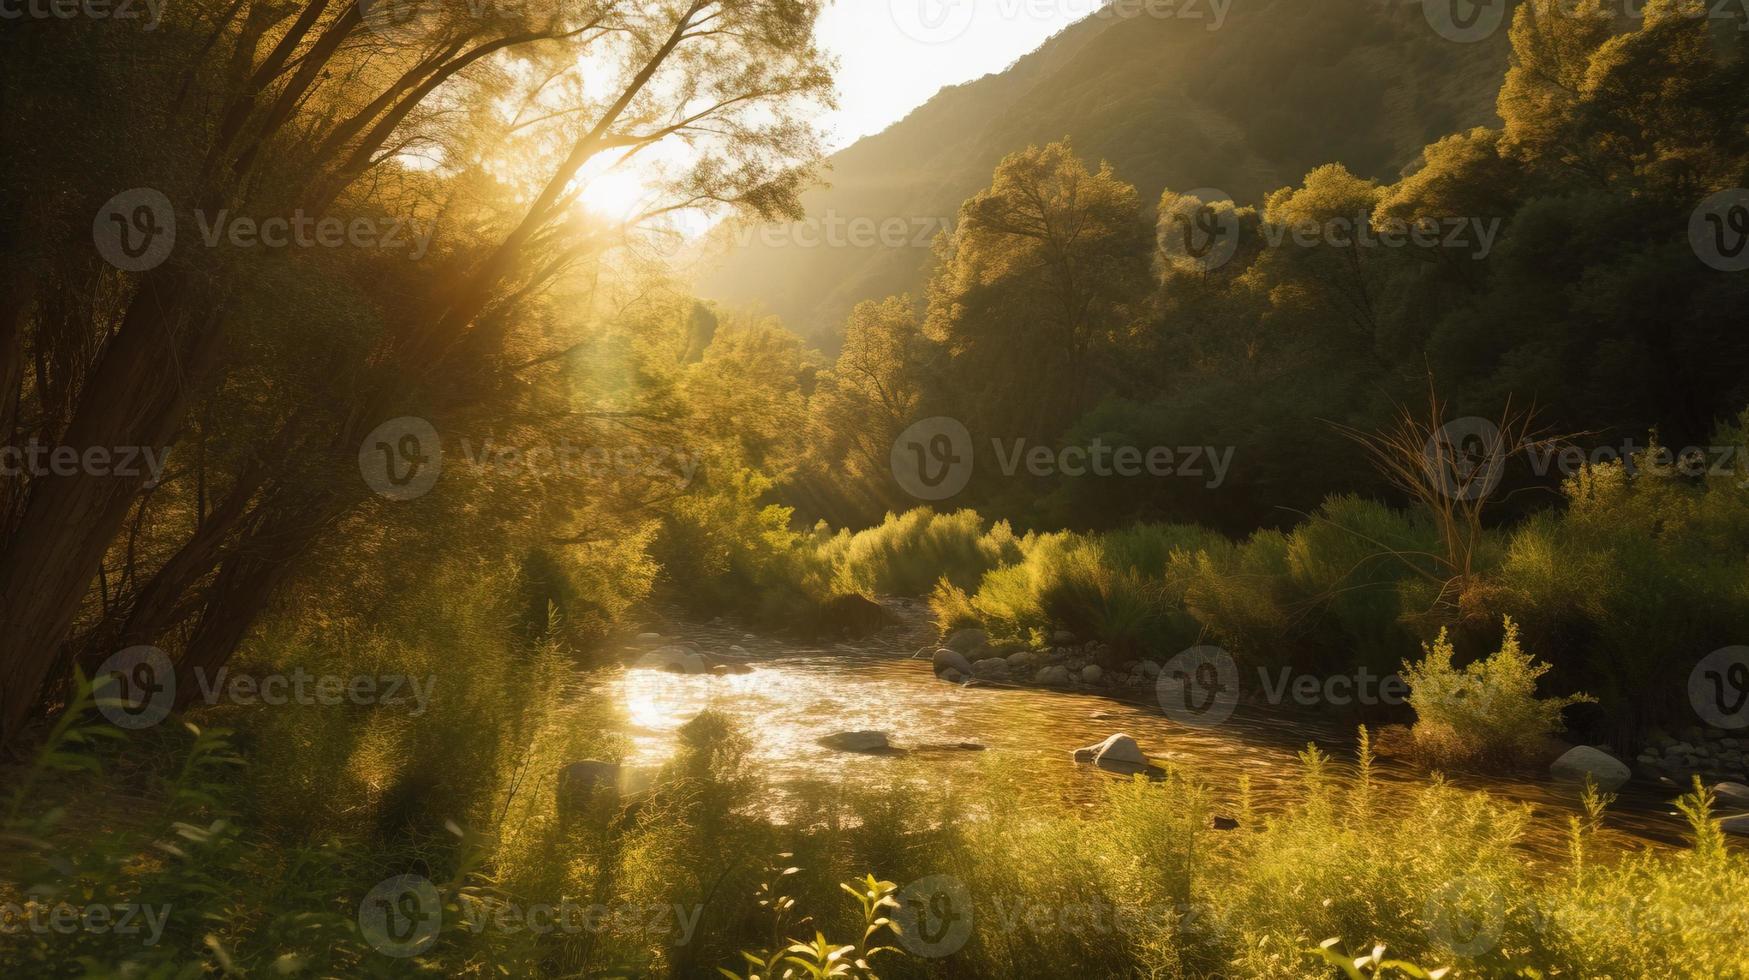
(1280, 87)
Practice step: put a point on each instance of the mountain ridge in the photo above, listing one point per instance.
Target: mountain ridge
(1284, 86)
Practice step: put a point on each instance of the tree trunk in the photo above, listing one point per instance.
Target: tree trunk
(135, 400)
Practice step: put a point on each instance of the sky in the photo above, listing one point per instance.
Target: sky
(895, 54)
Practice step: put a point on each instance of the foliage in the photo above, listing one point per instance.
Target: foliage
(1487, 712)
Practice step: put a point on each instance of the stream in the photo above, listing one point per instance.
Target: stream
(797, 693)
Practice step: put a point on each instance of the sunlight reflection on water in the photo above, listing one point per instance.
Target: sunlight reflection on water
(799, 693)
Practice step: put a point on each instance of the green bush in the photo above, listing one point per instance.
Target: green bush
(1642, 573)
(907, 554)
(1487, 713)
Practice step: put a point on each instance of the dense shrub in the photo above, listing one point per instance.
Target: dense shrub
(907, 554)
(1486, 713)
(1644, 572)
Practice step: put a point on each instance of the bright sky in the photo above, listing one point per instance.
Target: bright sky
(895, 54)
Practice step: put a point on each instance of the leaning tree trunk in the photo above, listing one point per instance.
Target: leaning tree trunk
(136, 397)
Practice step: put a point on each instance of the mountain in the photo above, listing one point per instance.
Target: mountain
(1281, 87)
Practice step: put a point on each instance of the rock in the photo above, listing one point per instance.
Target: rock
(1120, 749)
(725, 670)
(945, 660)
(967, 640)
(1053, 676)
(1150, 669)
(994, 669)
(738, 649)
(1734, 794)
(649, 636)
(953, 676)
(1581, 761)
(857, 742)
(1063, 638)
(1021, 660)
(1226, 823)
(579, 782)
(1091, 674)
(1738, 824)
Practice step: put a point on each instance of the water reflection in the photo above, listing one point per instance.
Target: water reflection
(798, 694)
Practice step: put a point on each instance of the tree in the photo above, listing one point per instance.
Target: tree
(324, 107)
(872, 393)
(1039, 282)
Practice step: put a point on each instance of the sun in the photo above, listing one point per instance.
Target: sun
(618, 194)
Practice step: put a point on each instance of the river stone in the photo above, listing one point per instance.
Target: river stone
(967, 640)
(953, 676)
(945, 660)
(1063, 638)
(725, 670)
(1581, 761)
(1091, 674)
(1119, 749)
(1150, 669)
(1735, 794)
(1020, 660)
(994, 669)
(579, 781)
(1053, 676)
(857, 741)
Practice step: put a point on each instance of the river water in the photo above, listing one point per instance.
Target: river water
(798, 693)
